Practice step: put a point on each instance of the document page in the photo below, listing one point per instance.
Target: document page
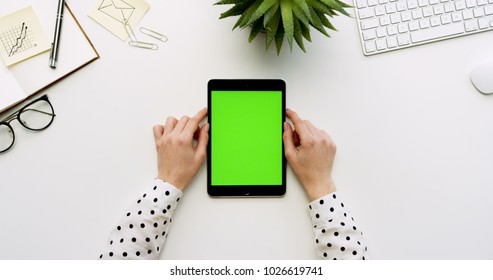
(10, 91)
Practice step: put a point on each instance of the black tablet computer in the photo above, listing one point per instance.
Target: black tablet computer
(245, 155)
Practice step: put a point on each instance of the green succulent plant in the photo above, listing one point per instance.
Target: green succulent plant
(284, 18)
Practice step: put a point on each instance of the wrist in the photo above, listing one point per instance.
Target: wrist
(173, 181)
(317, 191)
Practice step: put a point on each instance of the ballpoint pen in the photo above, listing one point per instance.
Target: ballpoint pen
(58, 29)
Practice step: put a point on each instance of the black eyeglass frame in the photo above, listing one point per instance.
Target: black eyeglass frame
(17, 116)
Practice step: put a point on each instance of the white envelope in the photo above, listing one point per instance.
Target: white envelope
(114, 14)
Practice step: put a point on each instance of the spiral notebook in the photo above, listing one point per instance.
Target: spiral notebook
(20, 81)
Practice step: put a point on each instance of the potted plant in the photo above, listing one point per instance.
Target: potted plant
(284, 18)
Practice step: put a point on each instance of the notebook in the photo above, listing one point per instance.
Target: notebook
(24, 79)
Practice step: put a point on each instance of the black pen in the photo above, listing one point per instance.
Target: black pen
(58, 30)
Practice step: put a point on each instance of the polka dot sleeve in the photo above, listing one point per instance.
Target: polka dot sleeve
(336, 234)
(141, 232)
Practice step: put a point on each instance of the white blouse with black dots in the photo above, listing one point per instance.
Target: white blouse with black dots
(337, 236)
(142, 231)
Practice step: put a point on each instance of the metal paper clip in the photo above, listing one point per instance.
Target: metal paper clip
(130, 32)
(136, 43)
(143, 45)
(154, 34)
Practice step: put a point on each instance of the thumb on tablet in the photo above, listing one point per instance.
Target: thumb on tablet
(203, 139)
(288, 139)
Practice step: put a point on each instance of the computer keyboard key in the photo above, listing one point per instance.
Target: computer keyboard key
(460, 5)
(401, 6)
(369, 34)
(366, 13)
(413, 25)
(471, 3)
(478, 12)
(438, 9)
(428, 12)
(467, 14)
(435, 21)
(412, 4)
(417, 14)
(385, 20)
(390, 8)
(456, 17)
(370, 47)
(391, 42)
(406, 16)
(392, 30)
(404, 39)
(446, 19)
(381, 32)
(422, 3)
(424, 23)
(449, 7)
(471, 25)
(402, 28)
(369, 23)
(381, 44)
(484, 23)
(437, 32)
(361, 3)
(488, 10)
(395, 18)
(379, 10)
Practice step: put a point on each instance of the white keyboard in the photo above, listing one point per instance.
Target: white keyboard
(387, 25)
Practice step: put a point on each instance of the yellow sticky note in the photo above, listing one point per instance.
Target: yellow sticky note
(21, 36)
(114, 15)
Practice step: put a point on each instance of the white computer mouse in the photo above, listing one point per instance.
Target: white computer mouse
(482, 77)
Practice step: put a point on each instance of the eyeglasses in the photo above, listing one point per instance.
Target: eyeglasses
(35, 116)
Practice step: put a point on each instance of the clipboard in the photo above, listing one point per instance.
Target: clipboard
(30, 77)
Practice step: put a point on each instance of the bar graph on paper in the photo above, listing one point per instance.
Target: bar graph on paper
(21, 36)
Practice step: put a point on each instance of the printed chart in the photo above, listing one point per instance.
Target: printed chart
(21, 36)
(17, 39)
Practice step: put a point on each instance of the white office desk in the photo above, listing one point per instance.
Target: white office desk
(414, 160)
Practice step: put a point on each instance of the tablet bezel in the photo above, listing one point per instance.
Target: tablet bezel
(245, 190)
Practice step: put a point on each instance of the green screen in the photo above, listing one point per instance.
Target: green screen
(246, 138)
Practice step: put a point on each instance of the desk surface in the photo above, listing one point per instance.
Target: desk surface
(414, 161)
